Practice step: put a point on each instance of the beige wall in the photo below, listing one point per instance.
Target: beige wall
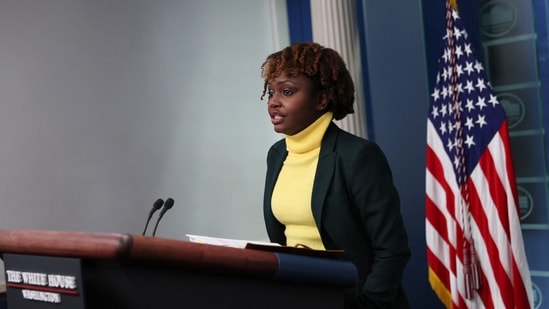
(108, 105)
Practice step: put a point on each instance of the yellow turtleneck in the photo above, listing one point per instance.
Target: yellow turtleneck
(291, 199)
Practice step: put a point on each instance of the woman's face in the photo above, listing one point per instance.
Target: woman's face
(293, 104)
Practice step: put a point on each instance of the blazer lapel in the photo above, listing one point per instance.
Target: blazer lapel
(324, 171)
(274, 165)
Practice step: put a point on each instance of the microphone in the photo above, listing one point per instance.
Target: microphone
(156, 206)
(167, 205)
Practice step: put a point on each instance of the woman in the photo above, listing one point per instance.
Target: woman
(326, 188)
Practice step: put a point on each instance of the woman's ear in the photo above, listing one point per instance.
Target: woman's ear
(322, 102)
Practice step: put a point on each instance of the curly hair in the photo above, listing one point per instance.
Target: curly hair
(324, 66)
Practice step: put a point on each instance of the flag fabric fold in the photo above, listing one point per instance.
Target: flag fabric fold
(475, 250)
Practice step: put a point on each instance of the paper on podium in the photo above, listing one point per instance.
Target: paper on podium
(265, 246)
(227, 242)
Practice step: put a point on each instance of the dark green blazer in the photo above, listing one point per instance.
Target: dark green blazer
(356, 209)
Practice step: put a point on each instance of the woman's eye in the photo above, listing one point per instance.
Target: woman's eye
(269, 94)
(287, 92)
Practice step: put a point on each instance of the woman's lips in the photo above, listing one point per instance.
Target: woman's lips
(276, 119)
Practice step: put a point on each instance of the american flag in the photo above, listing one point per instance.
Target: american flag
(475, 250)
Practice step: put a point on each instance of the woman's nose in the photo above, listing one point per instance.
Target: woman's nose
(273, 101)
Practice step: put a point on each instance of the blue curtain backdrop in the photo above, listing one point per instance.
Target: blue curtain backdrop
(299, 19)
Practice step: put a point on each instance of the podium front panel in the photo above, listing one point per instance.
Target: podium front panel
(141, 287)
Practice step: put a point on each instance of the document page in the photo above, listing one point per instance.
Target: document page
(226, 242)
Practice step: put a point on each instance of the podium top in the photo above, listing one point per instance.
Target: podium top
(163, 252)
(130, 248)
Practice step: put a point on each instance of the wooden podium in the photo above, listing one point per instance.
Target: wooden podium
(65, 269)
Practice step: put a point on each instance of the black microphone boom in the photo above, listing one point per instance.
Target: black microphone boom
(167, 205)
(156, 206)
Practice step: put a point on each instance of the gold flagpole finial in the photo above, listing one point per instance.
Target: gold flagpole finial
(453, 4)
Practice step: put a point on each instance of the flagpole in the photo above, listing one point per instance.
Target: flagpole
(469, 263)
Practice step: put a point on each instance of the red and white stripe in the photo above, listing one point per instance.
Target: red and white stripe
(495, 228)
